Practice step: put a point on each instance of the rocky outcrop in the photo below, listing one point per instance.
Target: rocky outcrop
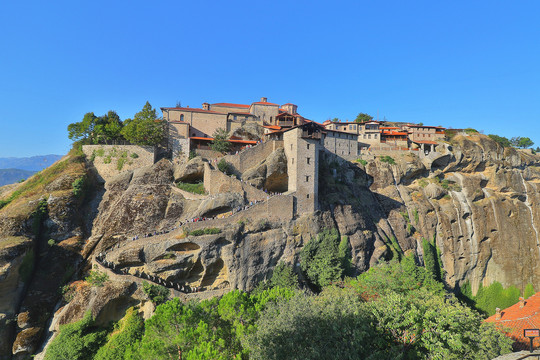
(270, 174)
(191, 171)
(249, 131)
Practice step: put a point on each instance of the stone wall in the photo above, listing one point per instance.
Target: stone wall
(341, 143)
(111, 160)
(250, 157)
(216, 182)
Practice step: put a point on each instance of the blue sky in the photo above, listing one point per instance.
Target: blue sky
(456, 64)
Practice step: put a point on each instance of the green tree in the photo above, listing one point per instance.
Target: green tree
(363, 117)
(284, 276)
(328, 326)
(521, 142)
(431, 260)
(320, 259)
(145, 128)
(423, 325)
(83, 130)
(127, 332)
(220, 142)
(112, 126)
(528, 291)
(501, 140)
(78, 340)
(156, 293)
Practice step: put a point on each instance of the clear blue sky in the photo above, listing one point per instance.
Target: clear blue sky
(453, 63)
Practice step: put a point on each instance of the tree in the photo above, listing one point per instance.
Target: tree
(145, 128)
(320, 259)
(363, 117)
(521, 142)
(284, 276)
(501, 140)
(83, 130)
(78, 340)
(127, 332)
(220, 142)
(156, 293)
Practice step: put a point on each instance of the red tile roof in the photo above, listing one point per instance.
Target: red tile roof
(273, 127)
(516, 318)
(232, 105)
(193, 110)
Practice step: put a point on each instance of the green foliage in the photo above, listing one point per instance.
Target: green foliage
(79, 187)
(423, 183)
(145, 128)
(126, 334)
(494, 296)
(79, 340)
(421, 325)
(38, 216)
(192, 154)
(521, 142)
(220, 142)
(204, 231)
(120, 163)
(93, 129)
(316, 327)
(27, 265)
(284, 277)
(387, 159)
(395, 248)
(107, 159)
(320, 259)
(224, 166)
(363, 117)
(134, 155)
(361, 161)
(501, 140)
(528, 291)
(416, 217)
(197, 188)
(431, 261)
(97, 278)
(51, 242)
(68, 293)
(156, 293)
(470, 131)
(405, 215)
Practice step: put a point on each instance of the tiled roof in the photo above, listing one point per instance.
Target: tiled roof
(392, 133)
(232, 105)
(193, 110)
(515, 319)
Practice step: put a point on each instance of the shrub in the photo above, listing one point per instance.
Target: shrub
(134, 155)
(97, 278)
(387, 159)
(107, 160)
(120, 163)
(205, 231)
(284, 276)
(79, 186)
(51, 242)
(416, 217)
(470, 131)
(78, 340)
(156, 293)
(361, 161)
(192, 155)
(126, 333)
(224, 166)
(100, 152)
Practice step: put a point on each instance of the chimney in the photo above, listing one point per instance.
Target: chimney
(206, 106)
(521, 302)
(497, 314)
(263, 99)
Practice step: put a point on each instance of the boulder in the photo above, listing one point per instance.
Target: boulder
(193, 170)
(219, 203)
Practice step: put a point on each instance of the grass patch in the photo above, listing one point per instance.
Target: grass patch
(120, 163)
(361, 161)
(205, 231)
(197, 188)
(134, 155)
(388, 159)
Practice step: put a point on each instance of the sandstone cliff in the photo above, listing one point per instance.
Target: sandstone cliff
(478, 201)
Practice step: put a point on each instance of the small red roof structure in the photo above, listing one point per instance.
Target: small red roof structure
(514, 319)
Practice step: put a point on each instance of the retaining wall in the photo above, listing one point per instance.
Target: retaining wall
(250, 157)
(216, 182)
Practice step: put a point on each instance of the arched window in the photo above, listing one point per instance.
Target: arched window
(181, 117)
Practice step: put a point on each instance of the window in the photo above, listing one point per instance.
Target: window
(307, 178)
(234, 117)
(307, 196)
(308, 160)
(308, 146)
(293, 160)
(369, 136)
(374, 136)
(350, 127)
(291, 146)
(182, 117)
(270, 119)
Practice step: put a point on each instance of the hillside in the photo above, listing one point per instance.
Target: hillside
(10, 176)
(476, 202)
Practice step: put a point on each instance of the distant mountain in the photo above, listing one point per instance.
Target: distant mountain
(10, 176)
(33, 163)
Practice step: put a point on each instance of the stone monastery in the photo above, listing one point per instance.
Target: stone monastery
(303, 140)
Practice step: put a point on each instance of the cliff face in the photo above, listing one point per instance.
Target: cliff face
(477, 200)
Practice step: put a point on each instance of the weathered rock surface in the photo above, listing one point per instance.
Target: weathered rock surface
(191, 171)
(270, 174)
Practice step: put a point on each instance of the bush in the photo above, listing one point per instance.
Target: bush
(97, 278)
(387, 159)
(120, 163)
(224, 166)
(107, 160)
(284, 276)
(156, 293)
(361, 161)
(79, 186)
(79, 340)
(51, 242)
(470, 131)
(192, 155)
(126, 333)
(205, 231)
(134, 156)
